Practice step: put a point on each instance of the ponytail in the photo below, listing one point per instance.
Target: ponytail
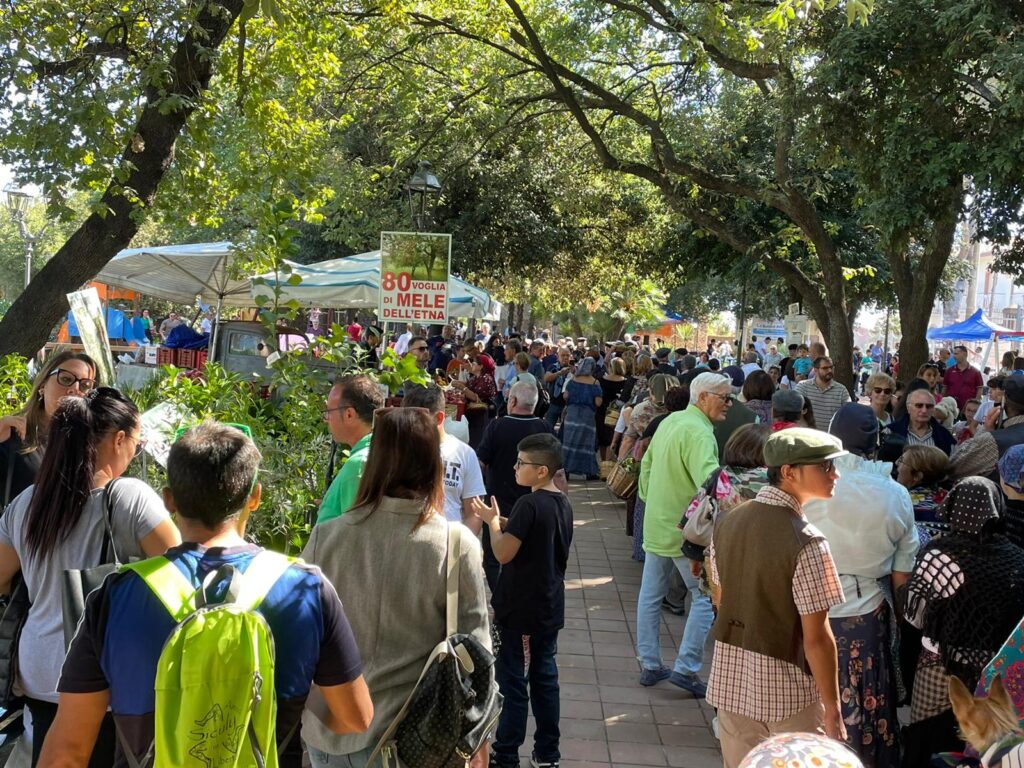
(65, 477)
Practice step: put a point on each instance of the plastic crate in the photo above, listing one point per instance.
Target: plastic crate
(201, 357)
(187, 358)
(165, 356)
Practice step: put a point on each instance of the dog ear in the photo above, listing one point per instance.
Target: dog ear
(959, 696)
(998, 693)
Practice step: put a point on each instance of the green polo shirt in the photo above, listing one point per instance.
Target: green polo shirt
(681, 456)
(339, 497)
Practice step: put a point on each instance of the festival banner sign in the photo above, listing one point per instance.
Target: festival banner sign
(414, 270)
(92, 327)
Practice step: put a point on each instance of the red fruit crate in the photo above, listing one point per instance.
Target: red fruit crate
(187, 358)
(165, 356)
(201, 356)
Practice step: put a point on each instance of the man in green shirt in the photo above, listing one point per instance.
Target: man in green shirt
(682, 455)
(349, 415)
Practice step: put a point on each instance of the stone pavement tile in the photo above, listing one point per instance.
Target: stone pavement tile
(574, 660)
(578, 692)
(583, 648)
(639, 754)
(627, 713)
(592, 730)
(645, 733)
(581, 710)
(687, 736)
(619, 677)
(584, 749)
(577, 675)
(572, 622)
(583, 764)
(608, 625)
(665, 714)
(624, 649)
(621, 694)
(693, 757)
(617, 663)
(601, 636)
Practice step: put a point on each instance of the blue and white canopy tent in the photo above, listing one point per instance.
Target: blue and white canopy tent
(182, 272)
(977, 327)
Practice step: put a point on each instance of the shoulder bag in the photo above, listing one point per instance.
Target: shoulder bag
(455, 703)
(701, 523)
(79, 582)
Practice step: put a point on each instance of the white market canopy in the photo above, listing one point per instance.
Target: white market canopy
(353, 282)
(181, 272)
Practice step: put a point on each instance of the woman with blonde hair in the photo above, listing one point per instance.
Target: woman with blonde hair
(880, 388)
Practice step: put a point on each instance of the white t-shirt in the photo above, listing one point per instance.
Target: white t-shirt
(749, 368)
(402, 343)
(462, 476)
(205, 326)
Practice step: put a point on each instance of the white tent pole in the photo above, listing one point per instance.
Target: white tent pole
(216, 329)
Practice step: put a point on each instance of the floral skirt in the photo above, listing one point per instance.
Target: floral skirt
(867, 686)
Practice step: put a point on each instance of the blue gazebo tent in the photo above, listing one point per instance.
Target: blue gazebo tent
(977, 327)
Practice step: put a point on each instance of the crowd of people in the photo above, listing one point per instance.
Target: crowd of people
(844, 552)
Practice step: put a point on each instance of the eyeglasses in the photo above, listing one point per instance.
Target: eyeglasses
(520, 463)
(824, 368)
(140, 445)
(926, 406)
(326, 412)
(825, 466)
(726, 399)
(882, 390)
(424, 348)
(68, 379)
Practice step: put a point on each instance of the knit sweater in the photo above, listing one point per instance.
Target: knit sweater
(391, 580)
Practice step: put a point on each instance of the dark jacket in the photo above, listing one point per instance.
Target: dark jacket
(942, 437)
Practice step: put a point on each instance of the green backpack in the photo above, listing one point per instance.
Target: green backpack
(215, 700)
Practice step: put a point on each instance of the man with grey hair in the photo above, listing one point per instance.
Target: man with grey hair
(681, 456)
(498, 453)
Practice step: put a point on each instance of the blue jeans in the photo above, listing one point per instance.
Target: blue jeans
(320, 759)
(527, 675)
(653, 588)
(554, 411)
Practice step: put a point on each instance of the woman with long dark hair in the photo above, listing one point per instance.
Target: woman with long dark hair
(23, 434)
(387, 558)
(60, 522)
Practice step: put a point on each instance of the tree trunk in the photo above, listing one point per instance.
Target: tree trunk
(26, 326)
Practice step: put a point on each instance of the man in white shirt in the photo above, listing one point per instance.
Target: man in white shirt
(402, 343)
(749, 363)
(463, 478)
(760, 346)
(206, 324)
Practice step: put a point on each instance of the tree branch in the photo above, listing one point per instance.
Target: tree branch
(89, 54)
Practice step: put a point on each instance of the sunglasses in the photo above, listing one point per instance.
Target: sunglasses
(724, 398)
(882, 390)
(926, 406)
(825, 466)
(68, 379)
(243, 428)
(140, 446)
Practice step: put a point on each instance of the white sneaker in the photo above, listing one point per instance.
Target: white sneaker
(714, 727)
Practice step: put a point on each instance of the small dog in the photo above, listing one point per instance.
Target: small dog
(989, 724)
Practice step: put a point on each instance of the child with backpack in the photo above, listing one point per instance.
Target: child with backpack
(529, 603)
(181, 647)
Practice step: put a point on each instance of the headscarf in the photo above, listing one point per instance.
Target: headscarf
(486, 363)
(586, 367)
(1011, 467)
(971, 503)
(659, 384)
(801, 750)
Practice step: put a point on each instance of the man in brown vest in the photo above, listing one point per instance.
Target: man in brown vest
(774, 667)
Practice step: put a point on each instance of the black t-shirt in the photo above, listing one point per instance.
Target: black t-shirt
(499, 450)
(22, 469)
(531, 589)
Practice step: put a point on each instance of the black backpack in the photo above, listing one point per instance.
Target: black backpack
(454, 705)
(543, 400)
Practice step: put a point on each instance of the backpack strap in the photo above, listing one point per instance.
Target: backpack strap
(260, 577)
(169, 584)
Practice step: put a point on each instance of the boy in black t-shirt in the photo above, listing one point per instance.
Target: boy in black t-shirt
(529, 603)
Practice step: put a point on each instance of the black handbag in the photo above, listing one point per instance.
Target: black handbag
(454, 705)
(77, 583)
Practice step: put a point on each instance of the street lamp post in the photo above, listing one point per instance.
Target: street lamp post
(423, 191)
(18, 203)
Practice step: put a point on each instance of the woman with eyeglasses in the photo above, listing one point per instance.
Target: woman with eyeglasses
(23, 434)
(880, 388)
(60, 523)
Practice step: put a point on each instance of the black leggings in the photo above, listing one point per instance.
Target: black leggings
(43, 714)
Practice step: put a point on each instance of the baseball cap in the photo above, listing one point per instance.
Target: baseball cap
(735, 373)
(800, 445)
(1011, 467)
(856, 426)
(788, 401)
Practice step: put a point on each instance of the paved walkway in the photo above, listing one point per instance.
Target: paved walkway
(608, 719)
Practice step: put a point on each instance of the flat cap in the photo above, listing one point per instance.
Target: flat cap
(799, 445)
(788, 401)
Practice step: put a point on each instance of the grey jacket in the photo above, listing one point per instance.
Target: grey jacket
(391, 580)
